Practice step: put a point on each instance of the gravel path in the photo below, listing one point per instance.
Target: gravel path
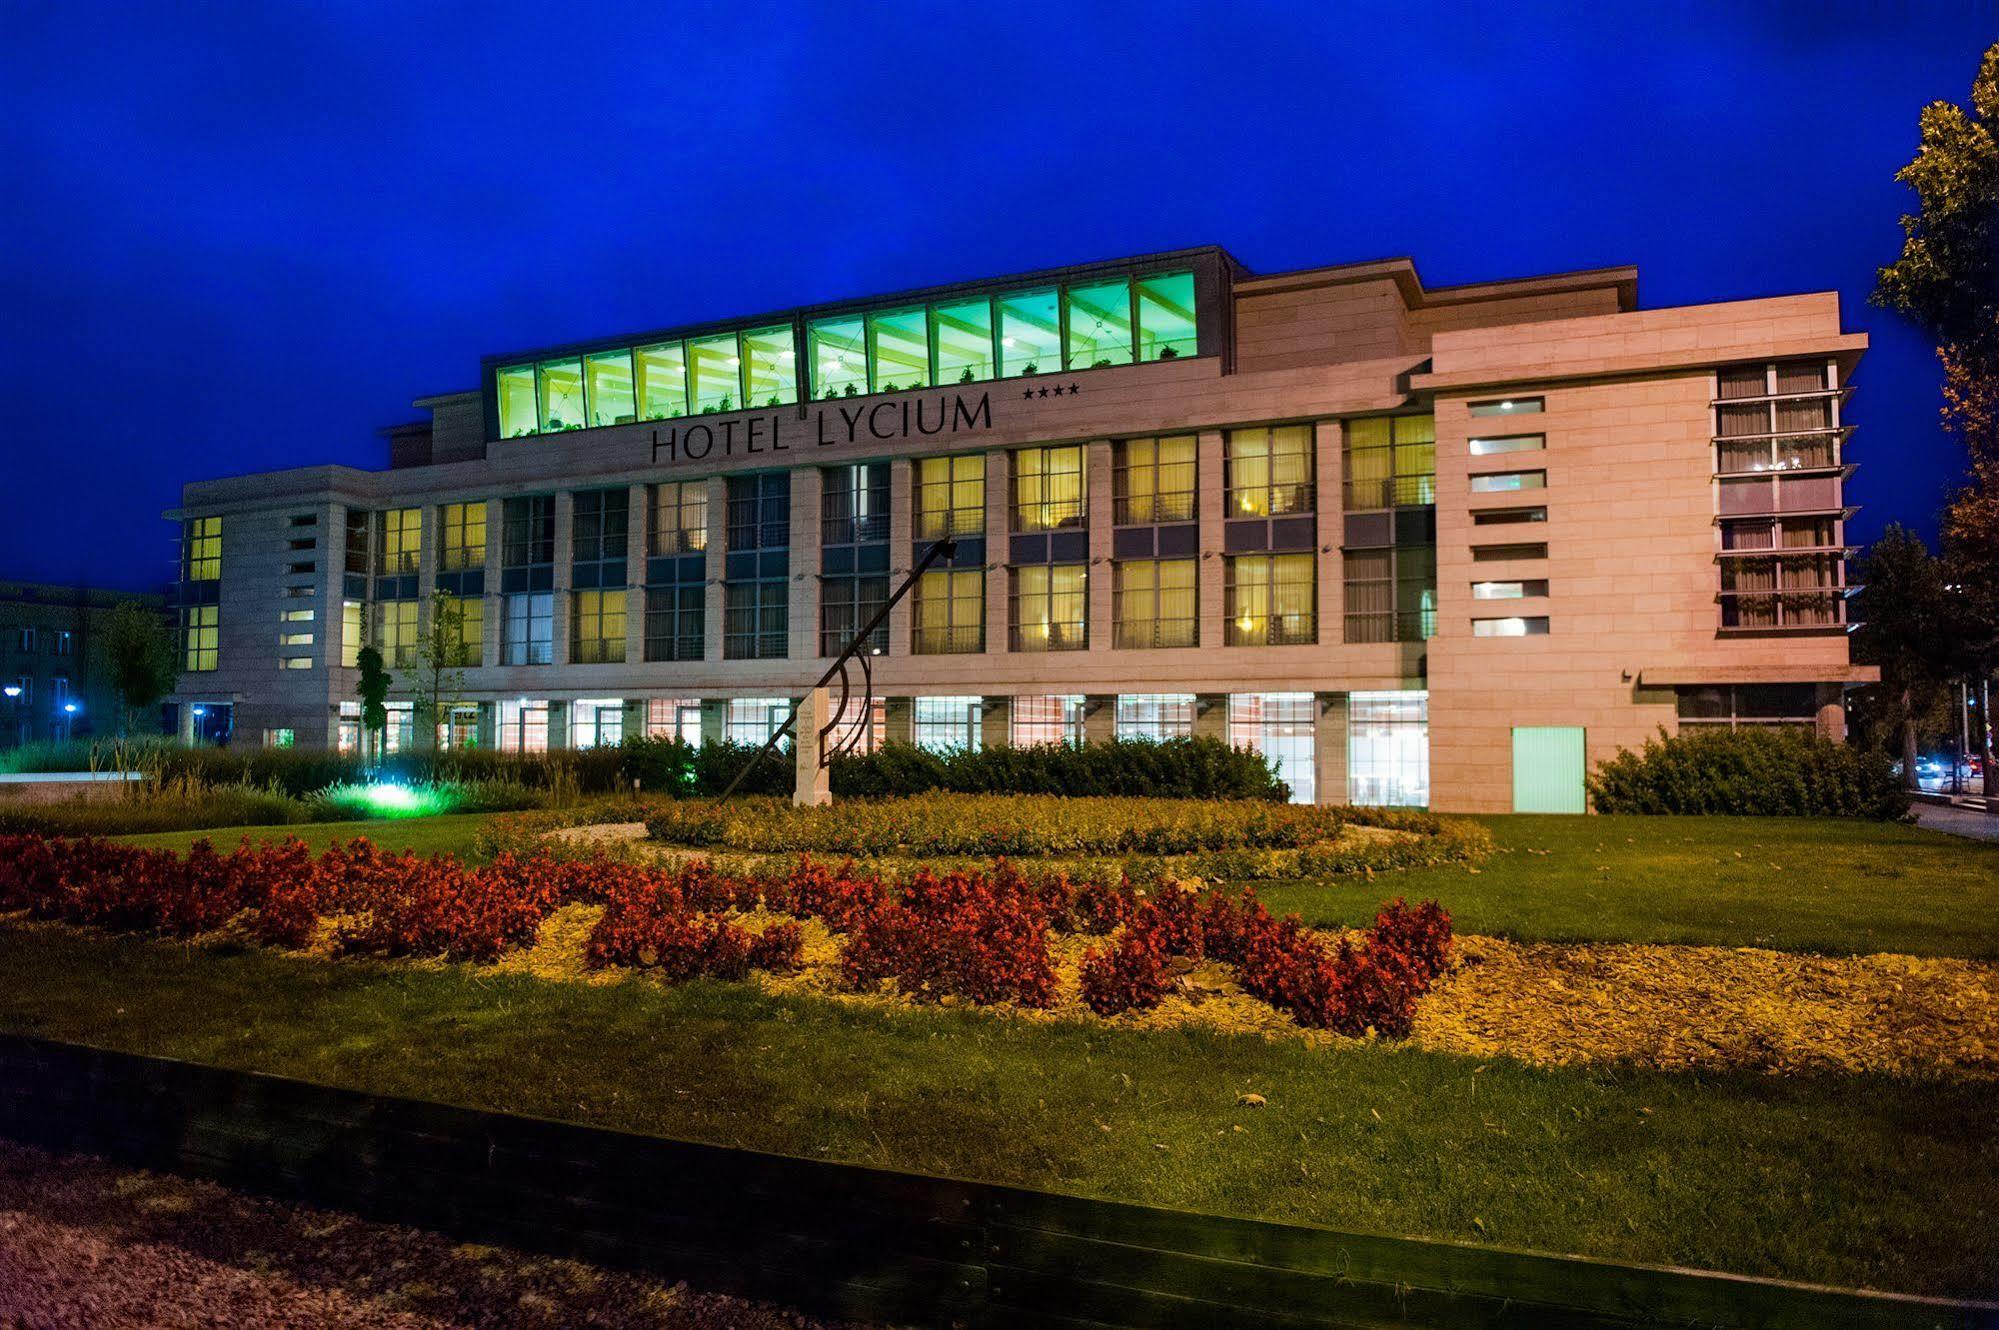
(88, 1246)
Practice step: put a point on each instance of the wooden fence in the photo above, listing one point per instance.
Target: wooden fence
(836, 1239)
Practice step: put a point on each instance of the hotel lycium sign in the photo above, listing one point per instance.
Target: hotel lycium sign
(824, 425)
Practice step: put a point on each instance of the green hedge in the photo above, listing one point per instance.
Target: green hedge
(1754, 771)
(1172, 769)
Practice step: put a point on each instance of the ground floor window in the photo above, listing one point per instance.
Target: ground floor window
(1046, 720)
(399, 735)
(280, 738)
(865, 728)
(753, 720)
(459, 727)
(1388, 749)
(523, 727)
(1282, 727)
(347, 735)
(674, 718)
(941, 724)
(1155, 716)
(596, 722)
(1784, 704)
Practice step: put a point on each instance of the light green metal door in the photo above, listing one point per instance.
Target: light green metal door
(1548, 769)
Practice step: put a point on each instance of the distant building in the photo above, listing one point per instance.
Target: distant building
(51, 653)
(1419, 545)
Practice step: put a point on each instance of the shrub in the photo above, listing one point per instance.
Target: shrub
(1755, 771)
(967, 935)
(1131, 974)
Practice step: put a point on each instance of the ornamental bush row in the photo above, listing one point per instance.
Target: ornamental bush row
(1755, 771)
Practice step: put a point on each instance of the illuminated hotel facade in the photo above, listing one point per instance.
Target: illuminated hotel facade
(1420, 546)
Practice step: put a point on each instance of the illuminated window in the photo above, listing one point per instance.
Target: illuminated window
(1389, 567)
(1509, 590)
(753, 720)
(1099, 324)
(674, 718)
(461, 534)
(1166, 327)
(1388, 749)
(964, 336)
(463, 630)
(1271, 599)
(1047, 488)
(1050, 607)
(1515, 626)
(1269, 471)
(661, 372)
(1511, 443)
(353, 634)
(1511, 406)
(846, 604)
(201, 549)
(1030, 333)
(950, 614)
(399, 545)
(1045, 720)
(522, 727)
(679, 522)
(560, 386)
(853, 503)
(527, 632)
(518, 416)
(1508, 482)
(201, 637)
(1154, 480)
(769, 367)
(858, 729)
(950, 496)
(1157, 603)
(607, 381)
(1390, 462)
(839, 357)
(1283, 728)
(598, 627)
(899, 350)
(1155, 716)
(944, 724)
(396, 632)
(714, 373)
(596, 722)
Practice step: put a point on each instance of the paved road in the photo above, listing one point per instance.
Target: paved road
(1968, 822)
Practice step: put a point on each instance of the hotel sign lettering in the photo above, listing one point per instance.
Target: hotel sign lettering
(824, 425)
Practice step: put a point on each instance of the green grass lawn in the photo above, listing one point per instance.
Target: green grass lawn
(446, 833)
(1793, 884)
(1847, 1180)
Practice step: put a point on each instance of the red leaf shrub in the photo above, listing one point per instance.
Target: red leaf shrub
(1131, 973)
(969, 935)
(779, 949)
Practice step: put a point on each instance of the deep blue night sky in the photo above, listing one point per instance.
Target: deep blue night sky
(236, 238)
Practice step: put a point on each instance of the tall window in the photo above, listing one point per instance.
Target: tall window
(1166, 323)
(1047, 488)
(756, 622)
(1156, 603)
(599, 523)
(399, 547)
(527, 532)
(760, 511)
(461, 533)
(396, 632)
(1045, 720)
(466, 646)
(942, 724)
(1388, 749)
(950, 615)
(1050, 607)
(679, 518)
(201, 549)
(201, 637)
(756, 596)
(1269, 471)
(950, 496)
(1390, 462)
(527, 633)
(598, 627)
(353, 632)
(1155, 716)
(854, 557)
(676, 621)
(1271, 599)
(1098, 318)
(1154, 480)
(845, 604)
(1778, 439)
(853, 503)
(1282, 727)
(1390, 572)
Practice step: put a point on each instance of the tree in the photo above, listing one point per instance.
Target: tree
(373, 688)
(441, 656)
(1906, 616)
(144, 660)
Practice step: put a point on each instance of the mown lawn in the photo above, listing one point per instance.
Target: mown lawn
(1792, 884)
(446, 833)
(1848, 1180)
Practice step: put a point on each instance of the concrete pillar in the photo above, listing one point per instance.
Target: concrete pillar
(718, 539)
(898, 720)
(996, 721)
(1330, 745)
(1211, 716)
(1331, 506)
(1099, 718)
(813, 785)
(489, 725)
(558, 725)
(1100, 506)
(565, 554)
(999, 525)
(635, 578)
(1208, 505)
(803, 600)
(714, 720)
(1832, 714)
(901, 529)
(635, 717)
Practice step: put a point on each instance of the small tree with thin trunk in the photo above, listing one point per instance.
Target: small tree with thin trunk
(144, 660)
(373, 688)
(441, 656)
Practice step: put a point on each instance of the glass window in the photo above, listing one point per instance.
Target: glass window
(599, 523)
(1390, 462)
(201, 637)
(1269, 471)
(856, 731)
(596, 722)
(753, 720)
(1505, 553)
(1509, 590)
(662, 381)
(1282, 727)
(1510, 406)
(1515, 626)
(714, 373)
(518, 416)
(1388, 749)
(1166, 327)
(1271, 599)
(464, 631)
(1156, 603)
(522, 727)
(527, 531)
(769, 371)
(461, 537)
(899, 349)
(1050, 607)
(759, 516)
(1155, 716)
(679, 521)
(853, 503)
(676, 621)
(950, 496)
(1030, 333)
(396, 632)
(352, 633)
(941, 724)
(1154, 480)
(950, 615)
(674, 718)
(561, 386)
(527, 633)
(1508, 482)
(598, 622)
(1099, 324)
(845, 605)
(1045, 720)
(839, 358)
(1507, 516)
(964, 336)
(1047, 488)
(756, 622)
(608, 377)
(201, 549)
(1512, 443)
(400, 546)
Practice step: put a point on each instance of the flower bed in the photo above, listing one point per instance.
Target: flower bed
(980, 936)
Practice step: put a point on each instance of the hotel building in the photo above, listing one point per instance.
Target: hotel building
(1429, 546)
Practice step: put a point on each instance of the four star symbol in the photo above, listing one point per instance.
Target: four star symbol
(1057, 390)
